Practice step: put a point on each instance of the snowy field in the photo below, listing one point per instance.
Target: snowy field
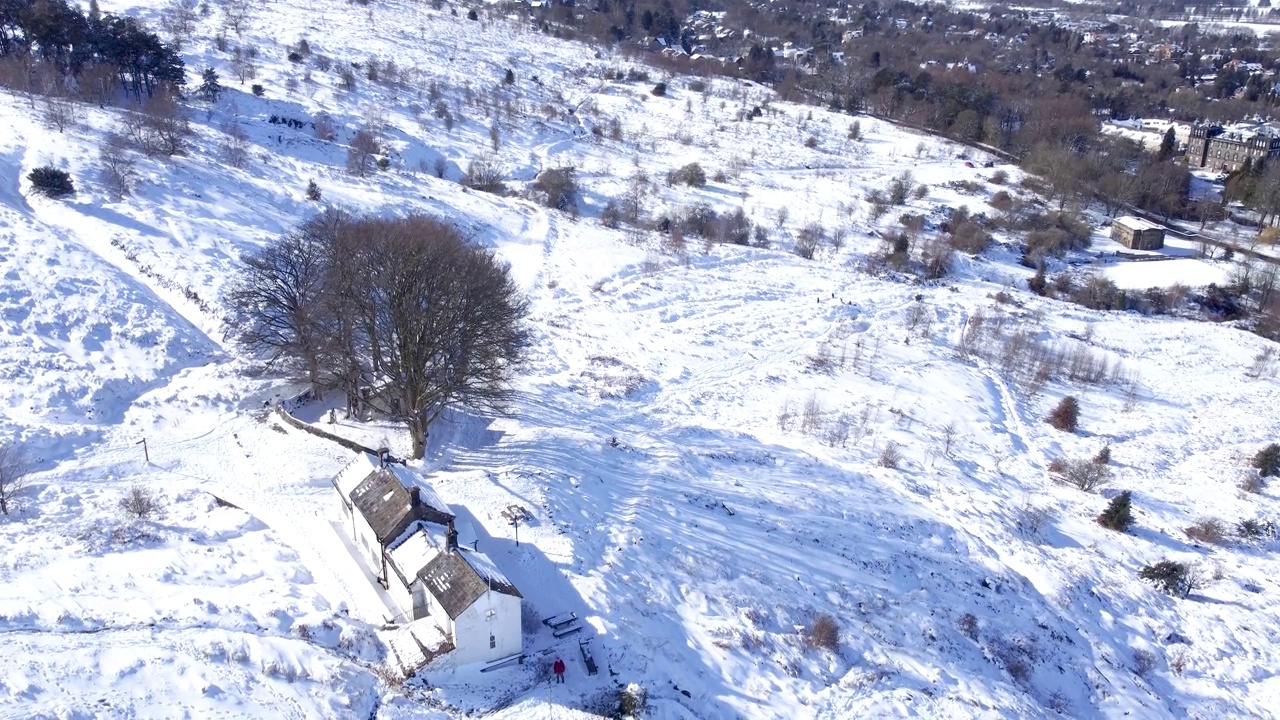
(678, 437)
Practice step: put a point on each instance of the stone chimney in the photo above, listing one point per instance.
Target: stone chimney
(451, 538)
(415, 497)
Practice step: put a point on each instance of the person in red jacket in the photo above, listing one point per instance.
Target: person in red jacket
(558, 669)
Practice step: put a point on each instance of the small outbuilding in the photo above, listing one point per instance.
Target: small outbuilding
(1137, 234)
(406, 534)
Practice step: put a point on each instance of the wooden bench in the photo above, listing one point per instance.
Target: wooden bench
(567, 629)
(556, 622)
(503, 662)
(587, 660)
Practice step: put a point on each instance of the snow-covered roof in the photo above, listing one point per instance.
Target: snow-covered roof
(356, 471)
(413, 551)
(1134, 223)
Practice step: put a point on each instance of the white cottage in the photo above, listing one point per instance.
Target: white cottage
(406, 534)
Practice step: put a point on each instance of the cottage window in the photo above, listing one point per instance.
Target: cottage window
(493, 642)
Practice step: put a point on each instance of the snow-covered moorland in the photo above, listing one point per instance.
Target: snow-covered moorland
(718, 444)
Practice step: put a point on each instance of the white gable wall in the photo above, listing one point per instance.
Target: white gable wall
(473, 628)
(361, 534)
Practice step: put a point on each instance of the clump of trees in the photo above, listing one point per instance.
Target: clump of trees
(1171, 576)
(405, 316)
(557, 188)
(692, 175)
(43, 42)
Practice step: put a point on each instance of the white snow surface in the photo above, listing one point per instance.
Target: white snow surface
(694, 529)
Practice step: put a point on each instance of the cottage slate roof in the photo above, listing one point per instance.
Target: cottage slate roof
(384, 503)
(457, 579)
(380, 495)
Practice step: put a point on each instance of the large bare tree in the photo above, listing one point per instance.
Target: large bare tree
(278, 302)
(442, 321)
(405, 315)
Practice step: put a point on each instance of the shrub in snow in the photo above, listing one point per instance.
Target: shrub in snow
(692, 175)
(1144, 661)
(1083, 474)
(1103, 457)
(557, 188)
(209, 88)
(1256, 530)
(1210, 530)
(1171, 576)
(968, 625)
(51, 182)
(1252, 482)
(485, 174)
(808, 240)
(313, 191)
(1267, 461)
(632, 700)
(14, 468)
(1029, 520)
(659, 90)
(140, 503)
(823, 633)
(1119, 514)
(890, 456)
(1066, 416)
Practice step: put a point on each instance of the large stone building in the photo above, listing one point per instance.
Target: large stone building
(1137, 233)
(1227, 148)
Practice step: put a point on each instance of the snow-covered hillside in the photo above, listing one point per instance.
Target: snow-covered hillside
(703, 437)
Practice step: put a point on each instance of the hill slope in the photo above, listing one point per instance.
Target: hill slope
(701, 436)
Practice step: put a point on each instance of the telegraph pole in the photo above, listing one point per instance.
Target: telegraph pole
(145, 453)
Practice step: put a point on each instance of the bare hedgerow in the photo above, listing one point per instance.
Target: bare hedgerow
(390, 676)
(140, 503)
(1030, 520)
(159, 126)
(15, 467)
(1085, 475)
(949, 432)
(119, 170)
(823, 633)
(787, 416)
(1144, 661)
(1254, 530)
(1252, 482)
(1209, 530)
(890, 455)
(486, 174)
(362, 152)
(808, 240)
(235, 144)
(811, 419)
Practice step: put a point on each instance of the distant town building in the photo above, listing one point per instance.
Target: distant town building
(1227, 148)
(1137, 234)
